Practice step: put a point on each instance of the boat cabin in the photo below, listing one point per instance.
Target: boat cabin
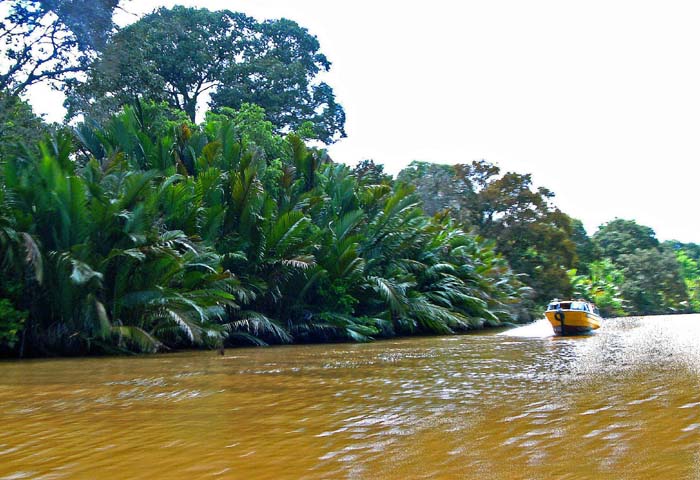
(580, 305)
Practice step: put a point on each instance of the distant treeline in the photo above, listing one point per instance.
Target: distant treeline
(622, 268)
(140, 230)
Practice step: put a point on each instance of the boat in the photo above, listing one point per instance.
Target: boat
(573, 317)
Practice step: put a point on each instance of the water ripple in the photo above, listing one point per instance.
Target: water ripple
(477, 406)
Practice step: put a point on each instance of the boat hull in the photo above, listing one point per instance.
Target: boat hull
(573, 322)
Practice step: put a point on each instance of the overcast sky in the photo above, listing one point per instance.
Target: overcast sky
(599, 100)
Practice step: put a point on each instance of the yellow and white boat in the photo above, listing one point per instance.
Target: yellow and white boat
(573, 317)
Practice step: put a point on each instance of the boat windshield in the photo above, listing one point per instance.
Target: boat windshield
(579, 306)
(575, 305)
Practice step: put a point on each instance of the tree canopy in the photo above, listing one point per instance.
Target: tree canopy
(528, 230)
(632, 273)
(280, 76)
(179, 55)
(620, 237)
(653, 283)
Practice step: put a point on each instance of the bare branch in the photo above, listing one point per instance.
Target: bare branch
(40, 44)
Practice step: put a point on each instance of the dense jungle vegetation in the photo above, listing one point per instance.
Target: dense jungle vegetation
(138, 229)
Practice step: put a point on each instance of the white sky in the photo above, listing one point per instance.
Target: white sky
(599, 100)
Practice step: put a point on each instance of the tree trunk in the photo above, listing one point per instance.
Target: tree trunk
(191, 108)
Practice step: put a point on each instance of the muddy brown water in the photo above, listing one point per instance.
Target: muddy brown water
(621, 404)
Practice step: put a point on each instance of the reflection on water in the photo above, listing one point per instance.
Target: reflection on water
(623, 403)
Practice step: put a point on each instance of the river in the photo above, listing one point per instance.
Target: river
(623, 403)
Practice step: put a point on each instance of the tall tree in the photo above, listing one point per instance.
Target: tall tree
(586, 250)
(653, 272)
(181, 54)
(50, 39)
(367, 172)
(528, 229)
(439, 187)
(532, 234)
(280, 77)
(170, 55)
(620, 237)
(653, 282)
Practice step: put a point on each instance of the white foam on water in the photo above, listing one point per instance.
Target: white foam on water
(540, 329)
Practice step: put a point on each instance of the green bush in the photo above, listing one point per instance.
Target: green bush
(11, 324)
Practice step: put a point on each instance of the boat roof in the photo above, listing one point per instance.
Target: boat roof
(557, 300)
(580, 300)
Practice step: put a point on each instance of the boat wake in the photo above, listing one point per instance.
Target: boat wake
(540, 329)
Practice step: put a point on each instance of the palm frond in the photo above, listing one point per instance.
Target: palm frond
(255, 323)
(139, 337)
(393, 294)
